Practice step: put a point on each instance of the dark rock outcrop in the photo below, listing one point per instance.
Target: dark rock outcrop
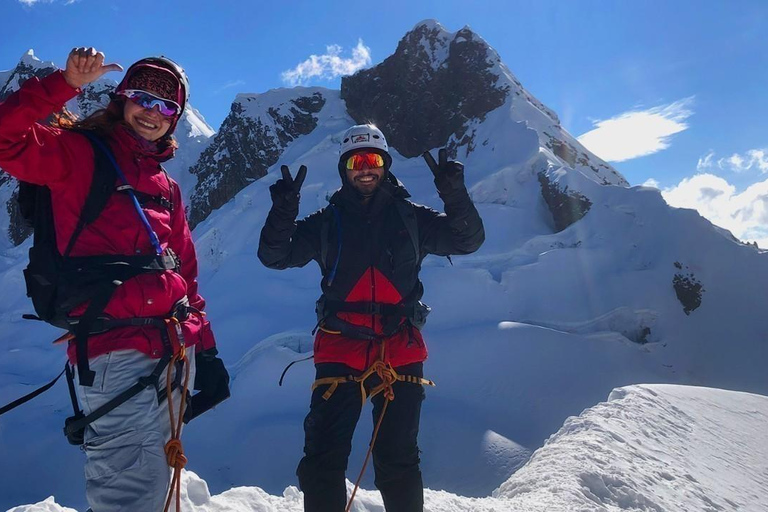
(573, 157)
(427, 90)
(565, 206)
(247, 144)
(23, 71)
(688, 288)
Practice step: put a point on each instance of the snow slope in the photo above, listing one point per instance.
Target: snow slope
(648, 448)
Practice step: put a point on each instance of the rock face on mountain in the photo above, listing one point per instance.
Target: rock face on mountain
(439, 87)
(428, 89)
(565, 206)
(251, 139)
(28, 66)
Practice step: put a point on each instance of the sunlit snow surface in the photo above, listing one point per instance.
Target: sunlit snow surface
(648, 448)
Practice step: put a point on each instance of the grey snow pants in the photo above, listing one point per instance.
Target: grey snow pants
(126, 468)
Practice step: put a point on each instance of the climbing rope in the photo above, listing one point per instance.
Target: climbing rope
(388, 377)
(174, 451)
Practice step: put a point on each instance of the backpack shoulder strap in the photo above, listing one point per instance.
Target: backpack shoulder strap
(329, 212)
(102, 186)
(408, 214)
(171, 188)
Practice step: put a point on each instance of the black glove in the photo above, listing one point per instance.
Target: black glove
(285, 192)
(449, 174)
(212, 382)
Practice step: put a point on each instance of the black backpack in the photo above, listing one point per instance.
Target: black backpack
(57, 282)
(48, 274)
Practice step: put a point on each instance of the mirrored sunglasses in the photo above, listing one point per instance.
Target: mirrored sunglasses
(360, 161)
(149, 101)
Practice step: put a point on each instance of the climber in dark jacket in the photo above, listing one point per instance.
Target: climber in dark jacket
(369, 242)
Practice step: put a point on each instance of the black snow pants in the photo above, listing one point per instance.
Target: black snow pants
(328, 430)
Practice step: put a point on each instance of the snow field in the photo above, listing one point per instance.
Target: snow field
(648, 448)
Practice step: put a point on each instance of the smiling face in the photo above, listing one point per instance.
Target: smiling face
(148, 123)
(365, 181)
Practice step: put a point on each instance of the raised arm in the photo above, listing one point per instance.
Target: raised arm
(43, 154)
(285, 243)
(460, 229)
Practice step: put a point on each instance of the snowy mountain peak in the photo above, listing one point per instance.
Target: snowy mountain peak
(29, 65)
(428, 90)
(29, 59)
(195, 123)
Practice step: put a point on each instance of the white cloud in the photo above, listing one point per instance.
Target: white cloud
(638, 132)
(745, 213)
(706, 162)
(30, 3)
(330, 65)
(229, 85)
(752, 159)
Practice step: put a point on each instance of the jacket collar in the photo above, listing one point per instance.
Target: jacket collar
(132, 143)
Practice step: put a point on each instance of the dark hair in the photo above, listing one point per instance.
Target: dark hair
(103, 122)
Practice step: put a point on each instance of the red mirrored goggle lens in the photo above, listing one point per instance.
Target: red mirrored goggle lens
(360, 161)
(149, 101)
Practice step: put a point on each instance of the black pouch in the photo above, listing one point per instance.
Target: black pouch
(77, 437)
(420, 313)
(212, 379)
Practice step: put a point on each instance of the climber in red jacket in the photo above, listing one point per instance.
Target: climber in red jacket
(128, 328)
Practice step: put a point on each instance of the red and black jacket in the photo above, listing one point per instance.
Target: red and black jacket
(375, 261)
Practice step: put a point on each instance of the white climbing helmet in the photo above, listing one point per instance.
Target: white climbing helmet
(364, 136)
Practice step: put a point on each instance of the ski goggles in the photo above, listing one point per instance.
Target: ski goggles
(360, 161)
(149, 101)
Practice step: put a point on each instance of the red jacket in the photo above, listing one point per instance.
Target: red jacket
(64, 161)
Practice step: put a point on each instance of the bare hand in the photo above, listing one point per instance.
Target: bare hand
(84, 65)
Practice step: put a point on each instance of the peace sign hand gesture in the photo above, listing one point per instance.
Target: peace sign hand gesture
(285, 192)
(84, 65)
(449, 174)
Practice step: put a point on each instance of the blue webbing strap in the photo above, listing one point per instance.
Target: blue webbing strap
(338, 252)
(152, 235)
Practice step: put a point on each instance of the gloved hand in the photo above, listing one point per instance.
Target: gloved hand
(449, 174)
(212, 382)
(285, 192)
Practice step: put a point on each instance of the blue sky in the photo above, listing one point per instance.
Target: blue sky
(693, 70)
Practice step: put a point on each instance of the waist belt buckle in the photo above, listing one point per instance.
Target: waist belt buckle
(181, 310)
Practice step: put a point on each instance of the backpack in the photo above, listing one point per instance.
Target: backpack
(57, 282)
(53, 296)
